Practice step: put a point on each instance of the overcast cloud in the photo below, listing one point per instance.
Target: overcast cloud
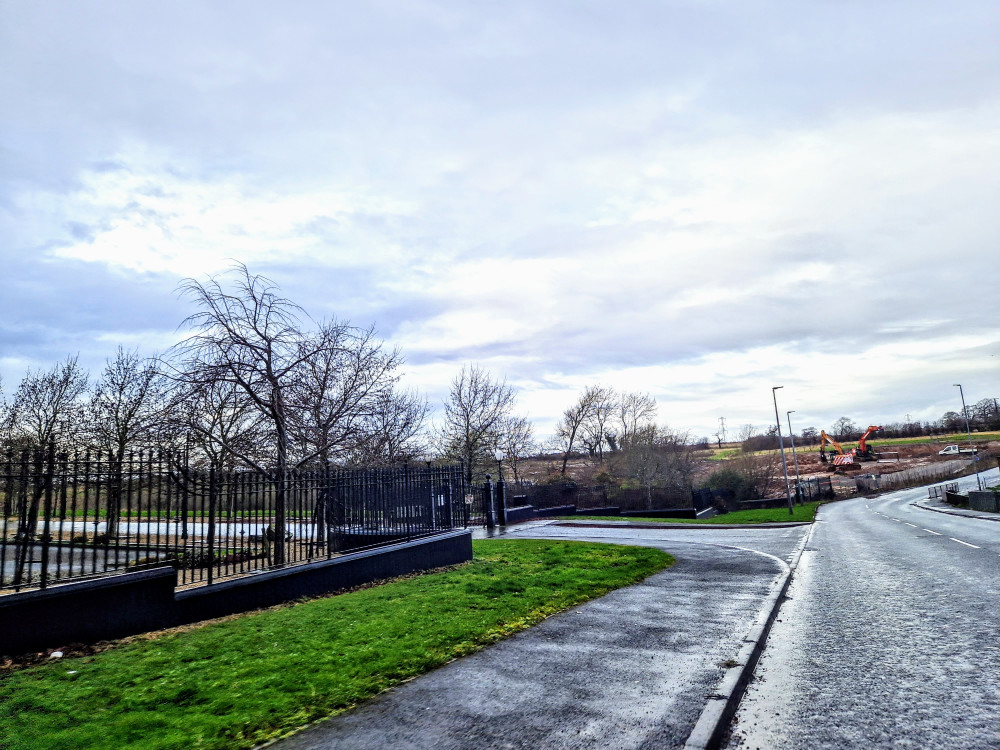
(696, 199)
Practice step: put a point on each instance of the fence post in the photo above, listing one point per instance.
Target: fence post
(211, 522)
(488, 503)
(449, 511)
(50, 461)
(501, 501)
(405, 493)
(465, 498)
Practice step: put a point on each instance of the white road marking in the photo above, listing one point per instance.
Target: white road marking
(911, 524)
(965, 543)
(933, 532)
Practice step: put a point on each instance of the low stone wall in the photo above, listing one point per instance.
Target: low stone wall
(520, 513)
(662, 513)
(559, 510)
(772, 502)
(131, 603)
(87, 611)
(956, 499)
(986, 501)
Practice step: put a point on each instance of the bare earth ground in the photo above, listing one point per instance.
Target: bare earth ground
(584, 470)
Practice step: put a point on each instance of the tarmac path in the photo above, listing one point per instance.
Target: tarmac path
(633, 669)
(890, 636)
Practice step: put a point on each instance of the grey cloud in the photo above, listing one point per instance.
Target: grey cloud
(494, 126)
(51, 309)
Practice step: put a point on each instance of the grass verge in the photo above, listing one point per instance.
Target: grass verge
(239, 682)
(805, 512)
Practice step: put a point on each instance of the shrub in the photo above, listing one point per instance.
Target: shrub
(732, 480)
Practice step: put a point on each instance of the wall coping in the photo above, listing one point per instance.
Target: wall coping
(91, 584)
(296, 569)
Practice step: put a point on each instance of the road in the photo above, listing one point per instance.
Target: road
(890, 636)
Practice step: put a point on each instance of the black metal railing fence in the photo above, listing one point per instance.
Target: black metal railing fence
(817, 488)
(584, 497)
(67, 516)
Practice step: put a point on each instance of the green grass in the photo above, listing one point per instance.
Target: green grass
(723, 454)
(805, 512)
(236, 683)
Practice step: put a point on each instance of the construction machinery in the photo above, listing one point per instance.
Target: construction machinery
(841, 458)
(863, 452)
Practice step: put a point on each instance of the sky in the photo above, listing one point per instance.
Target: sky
(696, 199)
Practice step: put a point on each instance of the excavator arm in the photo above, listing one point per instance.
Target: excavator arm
(825, 439)
(863, 442)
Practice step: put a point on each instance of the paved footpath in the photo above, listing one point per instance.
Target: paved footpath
(633, 669)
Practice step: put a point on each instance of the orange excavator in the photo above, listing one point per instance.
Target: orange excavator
(863, 452)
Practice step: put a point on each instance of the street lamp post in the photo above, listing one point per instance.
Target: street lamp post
(968, 430)
(781, 445)
(791, 436)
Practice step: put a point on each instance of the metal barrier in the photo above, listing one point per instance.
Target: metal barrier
(77, 516)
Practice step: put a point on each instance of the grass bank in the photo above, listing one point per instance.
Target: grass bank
(805, 512)
(235, 683)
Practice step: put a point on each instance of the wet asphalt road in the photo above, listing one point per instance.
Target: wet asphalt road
(633, 669)
(890, 636)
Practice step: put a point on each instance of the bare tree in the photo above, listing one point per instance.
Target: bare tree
(985, 413)
(760, 469)
(569, 428)
(127, 405)
(596, 424)
(657, 457)
(345, 382)
(220, 424)
(45, 412)
(844, 429)
(517, 442)
(257, 342)
(473, 415)
(5, 422)
(125, 412)
(392, 430)
(634, 411)
(952, 421)
(48, 405)
(250, 338)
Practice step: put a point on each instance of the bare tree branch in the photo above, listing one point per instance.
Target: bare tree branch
(473, 415)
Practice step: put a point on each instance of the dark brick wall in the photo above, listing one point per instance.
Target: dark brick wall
(90, 611)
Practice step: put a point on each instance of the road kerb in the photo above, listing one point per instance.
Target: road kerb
(948, 511)
(618, 524)
(725, 699)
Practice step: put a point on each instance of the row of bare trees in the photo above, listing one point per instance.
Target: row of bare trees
(618, 432)
(256, 384)
(259, 384)
(253, 386)
(602, 418)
